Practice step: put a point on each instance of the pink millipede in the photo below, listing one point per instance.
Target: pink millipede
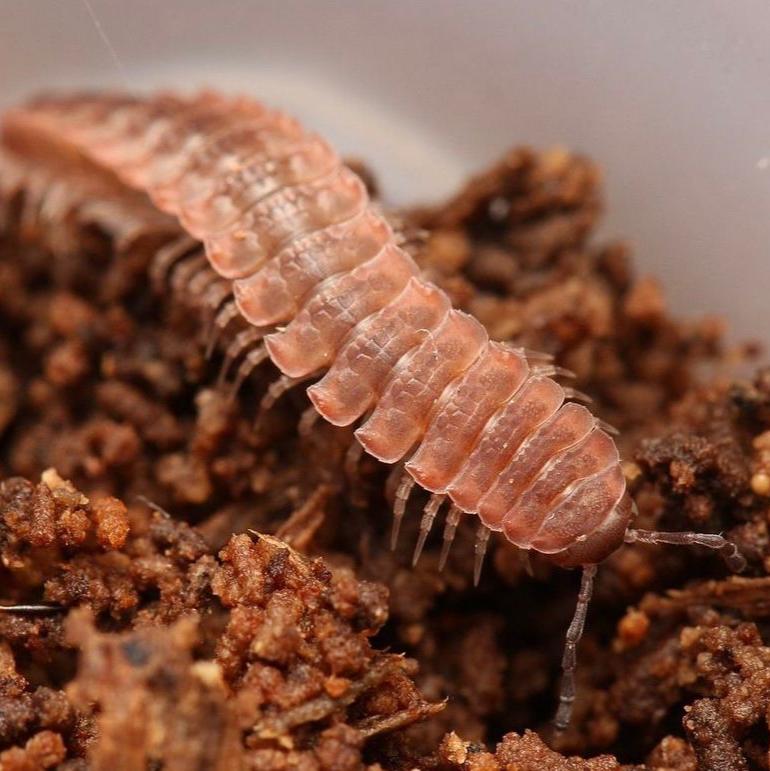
(299, 252)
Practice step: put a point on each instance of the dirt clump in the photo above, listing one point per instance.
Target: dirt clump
(106, 380)
(156, 650)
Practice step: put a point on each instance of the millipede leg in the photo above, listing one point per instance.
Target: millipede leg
(352, 469)
(399, 507)
(569, 657)
(307, 420)
(534, 357)
(197, 282)
(428, 515)
(276, 390)
(450, 528)
(551, 370)
(238, 345)
(226, 314)
(480, 551)
(166, 258)
(201, 282)
(56, 203)
(576, 396)
(727, 549)
(607, 428)
(352, 459)
(184, 270)
(253, 359)
(215, 296)
(415, 237)
(29, 216)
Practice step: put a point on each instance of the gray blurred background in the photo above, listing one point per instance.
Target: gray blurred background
(672, 98)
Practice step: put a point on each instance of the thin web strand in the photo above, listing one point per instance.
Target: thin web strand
(107, 43)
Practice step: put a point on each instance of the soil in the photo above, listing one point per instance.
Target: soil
(223, 593)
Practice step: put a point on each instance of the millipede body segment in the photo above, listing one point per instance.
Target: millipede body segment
(303, 256)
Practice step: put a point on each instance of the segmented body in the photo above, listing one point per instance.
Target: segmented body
(318, 272)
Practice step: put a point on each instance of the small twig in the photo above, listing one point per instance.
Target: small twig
(31, 608)
(324, 706)
(298, 530)
(372, 726)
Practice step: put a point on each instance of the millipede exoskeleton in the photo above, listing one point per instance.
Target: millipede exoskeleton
(275, 229)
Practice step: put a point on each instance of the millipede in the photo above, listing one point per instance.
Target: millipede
(262, 223)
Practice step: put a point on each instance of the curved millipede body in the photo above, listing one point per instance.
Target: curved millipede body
(301, 254)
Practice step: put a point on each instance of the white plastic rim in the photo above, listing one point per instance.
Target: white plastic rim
(671, 97)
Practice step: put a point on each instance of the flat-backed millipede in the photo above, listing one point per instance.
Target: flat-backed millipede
(299, 252)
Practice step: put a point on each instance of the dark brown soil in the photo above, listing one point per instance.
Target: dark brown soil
(189, 647)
